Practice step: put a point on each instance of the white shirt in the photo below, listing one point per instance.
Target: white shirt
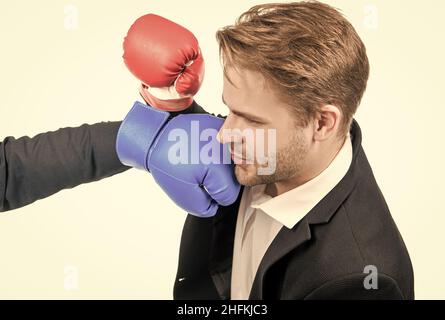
(260, 218)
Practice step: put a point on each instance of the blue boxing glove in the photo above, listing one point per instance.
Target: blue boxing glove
(183, 156)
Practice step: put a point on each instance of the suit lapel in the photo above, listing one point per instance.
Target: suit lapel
(290, 239)
(285, 241)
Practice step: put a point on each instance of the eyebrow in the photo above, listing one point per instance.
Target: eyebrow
(245, 114)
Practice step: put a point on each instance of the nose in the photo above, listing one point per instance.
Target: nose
(228, 133)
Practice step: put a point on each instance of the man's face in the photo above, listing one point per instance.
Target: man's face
(266, 144)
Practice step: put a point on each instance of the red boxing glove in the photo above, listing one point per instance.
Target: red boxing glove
(167, 59)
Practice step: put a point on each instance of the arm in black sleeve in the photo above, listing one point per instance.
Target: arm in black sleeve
(35, 168)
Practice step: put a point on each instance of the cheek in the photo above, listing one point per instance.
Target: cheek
(264, 142)
(284, 137)
(275, 139)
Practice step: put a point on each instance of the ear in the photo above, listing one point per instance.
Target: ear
(327, 122)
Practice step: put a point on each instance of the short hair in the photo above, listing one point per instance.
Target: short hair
(308, 52)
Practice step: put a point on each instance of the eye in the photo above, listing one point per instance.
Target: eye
(249, 120)
(253, 121)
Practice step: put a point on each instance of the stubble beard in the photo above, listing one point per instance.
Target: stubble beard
(289, 163)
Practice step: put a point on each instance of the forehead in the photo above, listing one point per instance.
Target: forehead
(246, 86)
(244, 81)
(249, 89)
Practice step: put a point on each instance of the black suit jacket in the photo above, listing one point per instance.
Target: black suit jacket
(37, 167)
(323, 257)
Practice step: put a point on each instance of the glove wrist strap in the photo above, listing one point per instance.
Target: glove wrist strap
(137, 133)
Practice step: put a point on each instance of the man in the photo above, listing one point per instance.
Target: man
(318, 227)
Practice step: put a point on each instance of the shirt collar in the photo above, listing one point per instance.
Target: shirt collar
(290, 207)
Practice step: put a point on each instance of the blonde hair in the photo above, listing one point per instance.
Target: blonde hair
(308, 52)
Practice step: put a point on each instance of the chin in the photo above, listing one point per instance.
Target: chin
(246, 175)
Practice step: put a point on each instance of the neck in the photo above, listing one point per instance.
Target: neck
(315, 163)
